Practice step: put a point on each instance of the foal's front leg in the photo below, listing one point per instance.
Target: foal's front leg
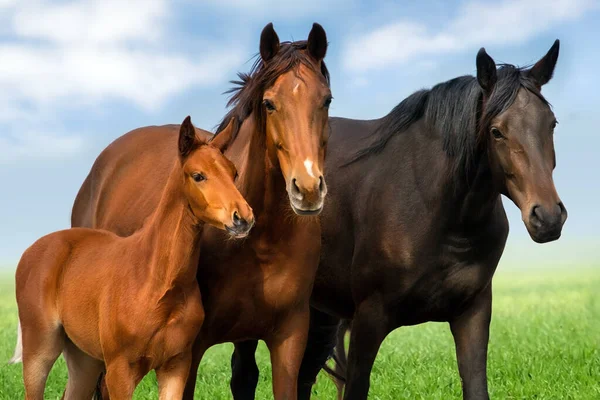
(471, 334)
(287, 347)
(122, 377)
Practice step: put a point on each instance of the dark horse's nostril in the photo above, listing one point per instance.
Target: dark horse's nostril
(535, 218)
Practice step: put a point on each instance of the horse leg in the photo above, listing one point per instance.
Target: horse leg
(322, 335)
(42, 345)
(244, 371)
(471, 334)
(287, 347)
(83, 373)
(370, 326)
(198, 351)
(122, 378)
(172, 377)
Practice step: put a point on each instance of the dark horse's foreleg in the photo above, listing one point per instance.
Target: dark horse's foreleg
(370, 326)
(322, 337)
(471, 334)
(244, 371)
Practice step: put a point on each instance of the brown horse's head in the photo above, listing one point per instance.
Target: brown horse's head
(209, 183)
(288, 93)
(518, 125)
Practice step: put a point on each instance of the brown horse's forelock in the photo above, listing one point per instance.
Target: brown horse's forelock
(247, 95)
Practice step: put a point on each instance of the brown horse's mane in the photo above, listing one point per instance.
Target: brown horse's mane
(247, 94)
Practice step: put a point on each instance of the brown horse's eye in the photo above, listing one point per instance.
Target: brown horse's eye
(269, 105)
(198, 177)
(327, 102)
(496, 133)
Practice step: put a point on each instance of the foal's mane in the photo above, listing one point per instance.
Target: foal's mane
(247, 94)
(453, 109)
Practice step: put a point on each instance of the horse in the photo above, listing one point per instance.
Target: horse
(259, 287)
(128, 304)
(415, 224)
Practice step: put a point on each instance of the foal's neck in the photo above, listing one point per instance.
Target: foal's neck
(171, 236)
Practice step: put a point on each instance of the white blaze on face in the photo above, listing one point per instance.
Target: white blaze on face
(295, 91)
(308, 165)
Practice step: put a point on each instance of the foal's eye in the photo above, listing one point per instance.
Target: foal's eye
(496, 133)
(198, 177)
(269, 105)
(327, 102)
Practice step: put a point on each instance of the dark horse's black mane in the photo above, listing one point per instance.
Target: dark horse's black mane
(247, 94)
(453, 109)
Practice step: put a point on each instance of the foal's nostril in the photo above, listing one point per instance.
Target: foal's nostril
(321, 184)
(237, 220)
(296, 190)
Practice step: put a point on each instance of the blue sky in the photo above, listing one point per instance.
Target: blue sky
(75, 75)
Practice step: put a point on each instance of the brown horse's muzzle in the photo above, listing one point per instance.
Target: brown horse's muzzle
(307, 194)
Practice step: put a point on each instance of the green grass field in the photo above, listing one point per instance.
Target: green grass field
(545, 344)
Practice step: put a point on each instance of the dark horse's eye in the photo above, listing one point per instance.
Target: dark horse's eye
(554, 123)
(496, 132)
(198, 177)
(327, 102)
(269, 106)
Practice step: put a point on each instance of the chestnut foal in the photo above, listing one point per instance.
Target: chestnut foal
(130, 304)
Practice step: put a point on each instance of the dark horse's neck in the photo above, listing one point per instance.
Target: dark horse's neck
(171, 235)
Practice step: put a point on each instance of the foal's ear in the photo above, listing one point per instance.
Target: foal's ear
(269, 42)
(222, 139)
(543, 70)
(187, 138)
(486, 71)
(317, 42)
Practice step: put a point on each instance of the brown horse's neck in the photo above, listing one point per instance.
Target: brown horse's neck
(171, 236)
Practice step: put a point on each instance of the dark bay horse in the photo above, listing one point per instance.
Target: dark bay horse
(259, 287)
(414, 227)
(147, 311)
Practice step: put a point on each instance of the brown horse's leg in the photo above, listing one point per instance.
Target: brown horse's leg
(121, 378)
(41, 347)
(287, 348)
(83, 373)
(197, 354)
(322, 337)
(471, 334)
(244, 371)
(172, 377)
(370, 326)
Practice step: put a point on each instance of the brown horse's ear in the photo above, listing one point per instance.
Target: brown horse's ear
(543, 70)
(269, 42)
(486, 71)
(317, 42)
(222, 139)
(187, 138)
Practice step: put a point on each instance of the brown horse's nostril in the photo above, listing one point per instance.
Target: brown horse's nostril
(321, 184)
(237, 220)
(296, 190)
(535, 217)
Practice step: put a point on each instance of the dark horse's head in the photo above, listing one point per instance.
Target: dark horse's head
(517, 126)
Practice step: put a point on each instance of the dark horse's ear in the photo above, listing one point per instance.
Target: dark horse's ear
(486, 71)
(222, 139)
(317, 42)
(269, 42)
(542, 71)
(187, 138)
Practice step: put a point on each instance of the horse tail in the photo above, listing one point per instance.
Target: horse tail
(18, 355)
(340, 359)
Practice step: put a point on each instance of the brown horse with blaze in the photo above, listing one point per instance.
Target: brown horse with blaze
(128, 304)
(257, 288)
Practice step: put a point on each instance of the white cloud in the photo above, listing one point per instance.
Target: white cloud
(476, 23)
(288, 9)
(56, 56)
(41, 146)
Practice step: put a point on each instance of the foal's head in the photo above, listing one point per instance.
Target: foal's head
(209, 183)
(288, 93)
(518, 126)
